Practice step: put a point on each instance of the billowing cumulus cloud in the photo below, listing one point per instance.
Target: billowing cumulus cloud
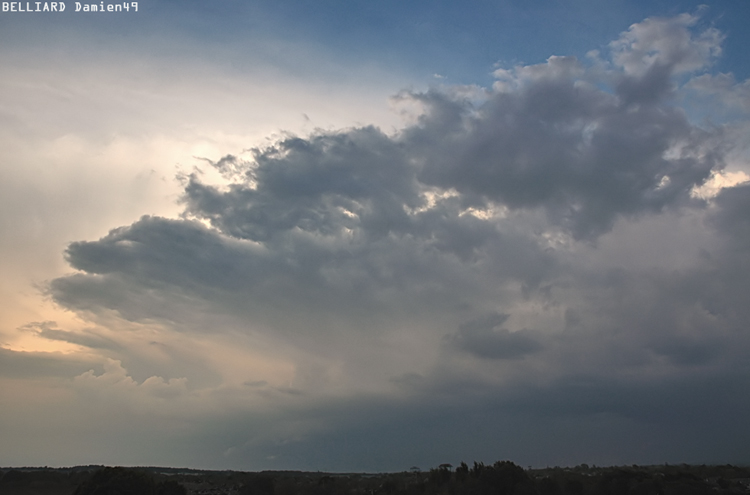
(523, 265)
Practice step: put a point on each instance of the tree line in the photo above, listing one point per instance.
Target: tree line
(500, 478)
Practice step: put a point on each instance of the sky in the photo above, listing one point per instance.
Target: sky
(366, 236)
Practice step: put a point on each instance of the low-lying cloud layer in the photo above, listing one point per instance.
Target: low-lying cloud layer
(527, 271)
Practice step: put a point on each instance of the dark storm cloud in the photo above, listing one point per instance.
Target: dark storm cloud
(483, 338)
(584, 155)
(732, 217)
(442, 215)
(455, 211)
(146, 270)
(557, 140)
(566, 422)
(311, 184)
(337, 222)
(660, 321)
(470, 237)
(170, 269)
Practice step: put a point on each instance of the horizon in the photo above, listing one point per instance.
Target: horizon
(411, 469)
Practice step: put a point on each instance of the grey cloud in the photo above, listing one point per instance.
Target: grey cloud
(148, 269)
(24, 365)
(557, 140)
(49, 330)
(650, 52)
(355, 222)
(229, 166)
(651, 322)
(154, 266)
(340, 228)
(356, 246)
(670, 402)
(666, 41)
(732, 218)
(732, 93)
(585, 156)
(688, 319)
(408, 379)
(687, 353)
(564, 422)
(483, 338)
(316, 185)
(647, 89)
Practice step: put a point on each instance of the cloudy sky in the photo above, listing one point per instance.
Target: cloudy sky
(370, 235)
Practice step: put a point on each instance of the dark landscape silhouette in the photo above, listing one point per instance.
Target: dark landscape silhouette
(500, 478)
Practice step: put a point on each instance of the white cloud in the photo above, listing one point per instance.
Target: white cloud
(666, 42)
(719, 180)
(733, 94)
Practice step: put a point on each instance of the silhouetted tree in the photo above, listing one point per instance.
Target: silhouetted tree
(117, 481)
(574, 487)
(441, 475)
(170, 487)
(476, 471)
(507, 477)
(462, 472)
(259, 485)
(14, 477)
(549, 486)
